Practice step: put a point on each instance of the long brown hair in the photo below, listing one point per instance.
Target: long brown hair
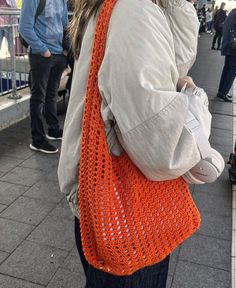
(83, 11)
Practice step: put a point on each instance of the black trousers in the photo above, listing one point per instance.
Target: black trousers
(45, 79)
(154, 276)
(217, 36)
(228, 75)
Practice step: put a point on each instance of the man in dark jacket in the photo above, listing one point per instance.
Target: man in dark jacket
(218, 20)
(229, 70)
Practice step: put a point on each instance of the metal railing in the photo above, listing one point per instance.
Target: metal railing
(14, 64)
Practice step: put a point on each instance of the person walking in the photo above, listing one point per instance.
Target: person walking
(219, 18)
(44, 35)
(6, 23)
(229, 51)
(209, 20)
(128, 139)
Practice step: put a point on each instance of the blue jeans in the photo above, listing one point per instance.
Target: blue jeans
(45, 79)
(154, 276)
(228, 75)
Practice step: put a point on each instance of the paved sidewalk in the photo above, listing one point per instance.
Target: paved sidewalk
(37, 246)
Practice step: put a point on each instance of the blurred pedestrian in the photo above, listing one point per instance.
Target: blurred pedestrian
(209, 20)
(202, 19)
(229, 51)
(6, 24)
(47, 63)
(219, 18)
(126, 133)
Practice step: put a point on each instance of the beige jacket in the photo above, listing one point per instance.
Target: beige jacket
(148, 48)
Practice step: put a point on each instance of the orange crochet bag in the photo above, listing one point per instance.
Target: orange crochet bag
(127, 221)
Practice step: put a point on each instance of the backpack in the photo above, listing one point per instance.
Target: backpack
(39, 10)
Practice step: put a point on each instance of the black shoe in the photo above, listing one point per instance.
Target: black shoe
(44, 147)
(213, 48)
(55, 135)
(226, 98)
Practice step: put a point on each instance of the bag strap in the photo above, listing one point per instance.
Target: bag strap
(40, 8)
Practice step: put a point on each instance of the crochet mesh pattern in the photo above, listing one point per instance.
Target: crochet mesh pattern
(127, 221)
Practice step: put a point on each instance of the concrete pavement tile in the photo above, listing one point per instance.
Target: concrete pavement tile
(12, 234)
(10, 282)
(45, 190)
(169, 282)
(221, 107)
(28, 210)
(56, 232)
(41, 161)
(1, 174)
(67, 279)
(173, 261)
(33, 262)
(23, 176)
(189, 275)
(19, 150)
(10, 192)
(212, 204)
(224, 150)
(8, 163)
(72, 262)
(220, 136)
(3, 256)
(2, 207)
(222, 122)
(63, 210)
(221, 187)
(216, 226)
(207, 251)
(52, 176)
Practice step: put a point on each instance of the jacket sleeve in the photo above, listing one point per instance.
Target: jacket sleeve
(26, 27)
(137, 81)
(183, 21)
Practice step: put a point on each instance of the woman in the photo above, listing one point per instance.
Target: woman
(133, 136)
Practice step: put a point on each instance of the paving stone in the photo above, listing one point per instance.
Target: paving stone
(23, 176)
(41, 161)
(169, 282)
(3, 256)
(18, 150)
(73, 263)
(2, 174)
(28, 210)
(220, 107)
(221, 187)
(212, 204)
(12, 234)
(2, 207)
(207, 251)
(33, 262)
(10, 282)
(63, 210)
(220, 136)
(173, 261)
(189, 275)
(52, 176)
(222, 122)
(56, 232)
(216, 226)
(10, 192)
(224, 150)
(67, 279)
(8, 163)
(45, 190)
